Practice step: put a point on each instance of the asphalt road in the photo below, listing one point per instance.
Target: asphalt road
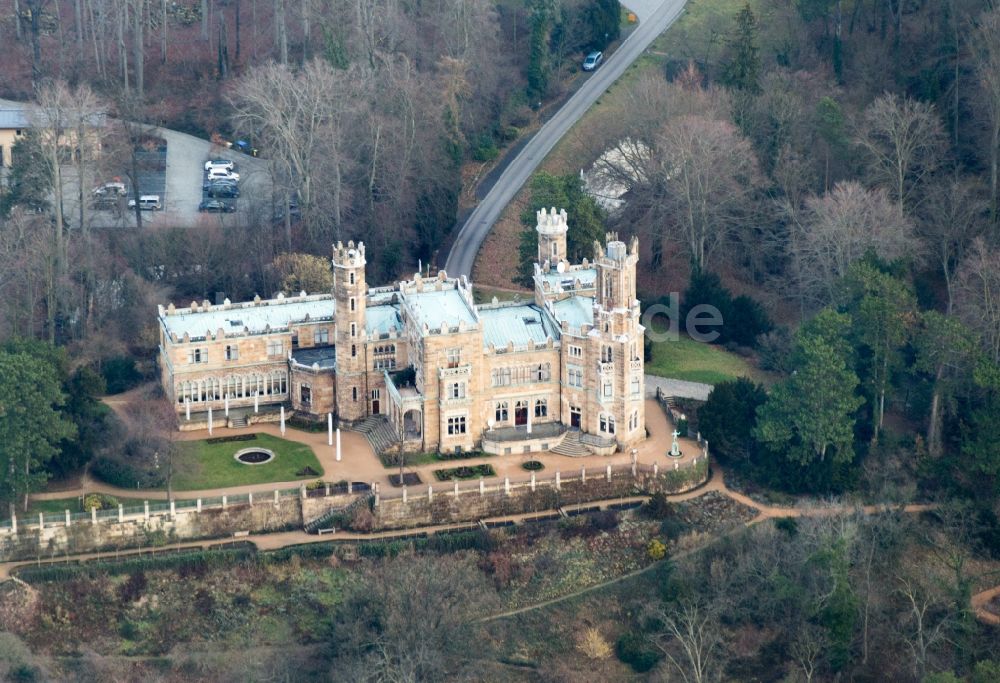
(654, 17)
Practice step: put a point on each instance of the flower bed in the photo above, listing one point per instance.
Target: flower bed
(466, 472)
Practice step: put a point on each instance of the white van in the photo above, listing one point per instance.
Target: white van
(147, 202)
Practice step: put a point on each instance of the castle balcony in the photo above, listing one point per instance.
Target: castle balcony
(635, 364)
(606, 368)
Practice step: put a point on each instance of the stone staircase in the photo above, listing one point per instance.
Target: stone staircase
(379, 432)
(238, 422)
(329, 517)
(571, 446)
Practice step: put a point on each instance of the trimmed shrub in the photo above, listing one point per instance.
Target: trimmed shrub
(229, 439)
(633, 649)
(101, 501)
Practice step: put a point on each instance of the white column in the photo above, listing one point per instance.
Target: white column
(199, 506)
(187, 409)
(350, 486)
(173, 509)
(583, 475)
(224, 501)
(532, 482)
(41, 521)
(256, 398)
(456, 488)
(676, 465)
(210, 421)
(531, 410)
(430, 493)
(404, 494)
(282, 420)
(121, 513)
(506, 485)
(250, 498)
(482, 487)
(225, 398)
(656, 469)
(67, 519)
(93, 516)
(557, 482)
(326, 490)
(609, 472)
(145, 511)
(276, 498)
(13, 524)
(338, 444)
(329, 429)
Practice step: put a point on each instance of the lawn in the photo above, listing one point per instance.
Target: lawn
(201, 465)
(698, 362)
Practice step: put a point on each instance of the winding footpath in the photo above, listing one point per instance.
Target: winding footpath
(277, 541)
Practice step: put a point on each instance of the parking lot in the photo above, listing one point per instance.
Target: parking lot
(172, 167)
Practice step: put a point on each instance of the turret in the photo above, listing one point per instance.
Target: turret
(349, 292)
(551, 227)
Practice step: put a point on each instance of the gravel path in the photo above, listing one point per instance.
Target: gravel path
(677, 387)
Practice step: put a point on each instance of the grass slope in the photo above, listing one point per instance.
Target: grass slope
(697, 362)
(201, 465)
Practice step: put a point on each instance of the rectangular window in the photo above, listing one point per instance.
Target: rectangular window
(456, 425)
(501, 412)
(635, 386)
(608, 393)
(575, 376)
(576, 352)
(198, 356)
(352, 303)
(275, 348)
(232, 352)
(306, 394)
(454, 357)
(354, 330)
(456, 390)
(322, 336)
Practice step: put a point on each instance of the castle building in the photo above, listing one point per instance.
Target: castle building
(445, 373)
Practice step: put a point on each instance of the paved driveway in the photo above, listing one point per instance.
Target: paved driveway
(655, 17)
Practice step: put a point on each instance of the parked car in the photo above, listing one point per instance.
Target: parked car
(110, 189)
(209, 183)
(217, 206)
(147, 202)
(224, 190)
(218, 173)
(593, 60)
(220, 163)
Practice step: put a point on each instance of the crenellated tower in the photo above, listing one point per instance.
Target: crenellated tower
(349, 292)
(619, 337)
(552, 228)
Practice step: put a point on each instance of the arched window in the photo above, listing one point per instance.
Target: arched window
(354, 393)
(354, 350)
(606, 354)
(501, 413)
(351, 278)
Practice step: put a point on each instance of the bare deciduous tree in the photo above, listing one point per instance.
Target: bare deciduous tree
(701, 176)
(977, 293)
(691, 640)
(837, 229)
(986, 43)
(904, 143)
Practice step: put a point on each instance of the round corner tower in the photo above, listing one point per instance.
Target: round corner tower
(349, 293)
(552, 228)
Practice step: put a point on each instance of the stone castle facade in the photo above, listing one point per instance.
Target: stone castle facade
(446, 373)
